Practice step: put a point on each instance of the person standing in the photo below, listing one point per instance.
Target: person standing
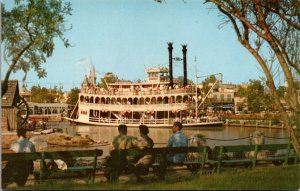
(18, 171)
(178, 139)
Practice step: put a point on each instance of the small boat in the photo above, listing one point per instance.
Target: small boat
(47, 131)
(156, 102)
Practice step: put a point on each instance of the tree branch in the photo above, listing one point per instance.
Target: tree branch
(238, 16)
(282, 16)
(233, 22)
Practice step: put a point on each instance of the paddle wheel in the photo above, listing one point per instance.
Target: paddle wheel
(22, 113)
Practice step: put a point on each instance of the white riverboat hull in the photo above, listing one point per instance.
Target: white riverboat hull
(214, 124)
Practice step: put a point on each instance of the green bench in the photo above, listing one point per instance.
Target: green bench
(277, 154)
(195, 158)
(44, 173)
(249, 155)
(117, 164)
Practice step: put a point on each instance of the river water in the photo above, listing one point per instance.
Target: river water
(226, 135)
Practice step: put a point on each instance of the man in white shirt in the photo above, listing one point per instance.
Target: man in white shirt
(18, 171)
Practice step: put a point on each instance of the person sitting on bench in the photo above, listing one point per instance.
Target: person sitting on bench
(125, 152)
(141, 167)
(18, 171)
(178, 139)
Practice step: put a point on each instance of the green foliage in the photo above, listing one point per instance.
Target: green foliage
(29, 30)
(280, 91)
(258, 98)
(263, 178)
(109, 77)
(44, 95)
(73, 96)
(206, 82)
(180, 79)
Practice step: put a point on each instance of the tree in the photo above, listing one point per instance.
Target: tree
(258, 98)
(44, 95)
(270, 31)
(207, 84)
(41, 95)
(109, 77)
(280, 91)
(73, 96)
(28, 33)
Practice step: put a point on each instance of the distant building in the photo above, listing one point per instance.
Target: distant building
(9, 108)
(222, 97)
(47, 108)
(25, 93)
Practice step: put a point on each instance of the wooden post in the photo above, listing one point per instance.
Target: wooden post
(255, 156)
(42, 167)
(220, 158)
(287, 154)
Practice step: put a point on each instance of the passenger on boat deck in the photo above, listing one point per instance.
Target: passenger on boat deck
(178, 139)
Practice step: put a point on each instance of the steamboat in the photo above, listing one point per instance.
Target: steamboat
(156, 102)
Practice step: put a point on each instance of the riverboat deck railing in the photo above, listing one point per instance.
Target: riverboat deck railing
(152, 121)
(122, 92)
(174, 107)
(129, 121)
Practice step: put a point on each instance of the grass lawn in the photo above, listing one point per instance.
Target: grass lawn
(260, 178)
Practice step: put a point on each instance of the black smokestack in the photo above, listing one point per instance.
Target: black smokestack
(184, 49)
(170, 48)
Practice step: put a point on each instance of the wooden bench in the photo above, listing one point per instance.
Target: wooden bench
(248, 155)
(277, 154)
(195, 160)
(43, 173)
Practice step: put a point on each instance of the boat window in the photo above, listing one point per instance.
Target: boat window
(118, 101)
(81, 98)
(91, 113)
(185, 99)
(87, 100)
(159, 100)
(166, 100)
(135, 101)
(142, 101)
(92, 99)
(153, 100)
(129, 101)
(179, 99)
(147, 100)
(47, 111)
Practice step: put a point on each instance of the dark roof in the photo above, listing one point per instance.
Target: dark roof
(11, 97)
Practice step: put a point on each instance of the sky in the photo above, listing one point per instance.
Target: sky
(127, 36)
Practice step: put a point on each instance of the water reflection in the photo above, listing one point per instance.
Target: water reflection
(160, 136)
